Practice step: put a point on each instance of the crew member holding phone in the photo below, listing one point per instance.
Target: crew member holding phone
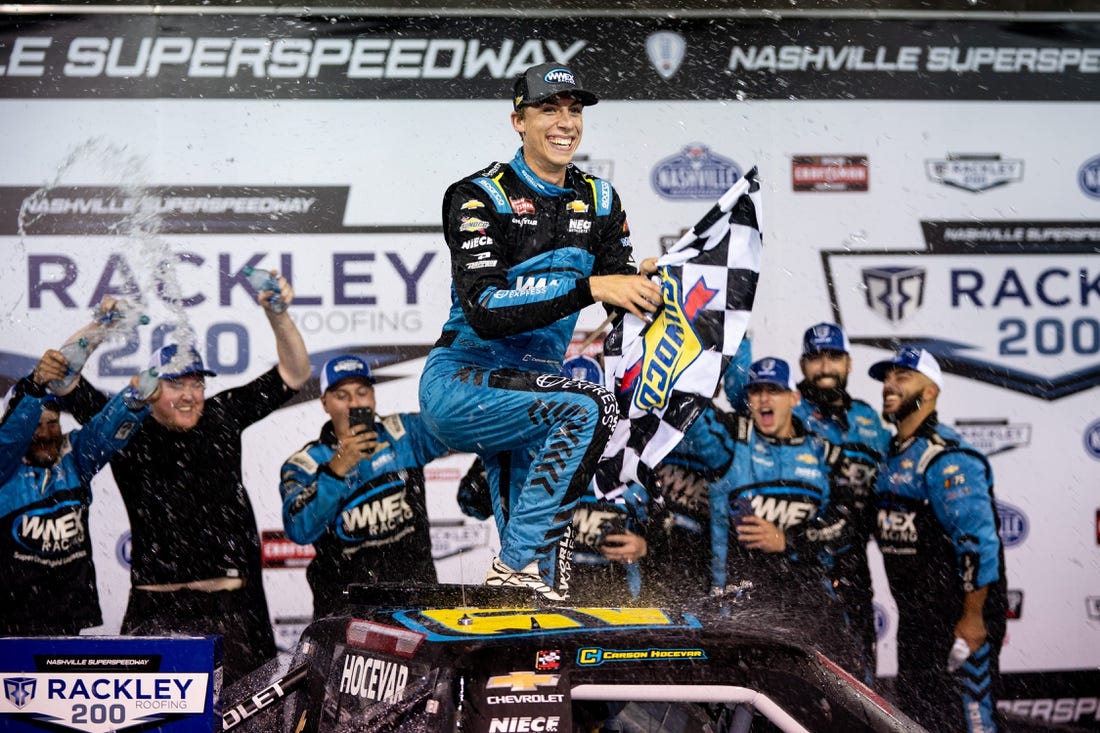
(771, 534)
(357, 492)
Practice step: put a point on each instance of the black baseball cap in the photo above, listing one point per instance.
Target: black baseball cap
(544, 81)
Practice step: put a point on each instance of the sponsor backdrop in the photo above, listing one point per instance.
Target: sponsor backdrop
(935, 182)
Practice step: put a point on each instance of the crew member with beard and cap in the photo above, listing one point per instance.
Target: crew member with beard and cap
(767, 511)
(47, 578)
(937, 529)
(533, 242)
(828, 410)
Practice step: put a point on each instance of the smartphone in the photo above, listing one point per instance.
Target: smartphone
(740, 508)
(362, 416)
(612, 526)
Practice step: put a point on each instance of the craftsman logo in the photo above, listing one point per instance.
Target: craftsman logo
(1027, 291)
(694, 173)
(522, 206)
(19, 690)
(830, 173)
(665, 50)
(975, 173)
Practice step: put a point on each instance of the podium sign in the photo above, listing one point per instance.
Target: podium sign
(98, 684)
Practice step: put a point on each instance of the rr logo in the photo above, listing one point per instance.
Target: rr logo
(19, 690)
(895, 293)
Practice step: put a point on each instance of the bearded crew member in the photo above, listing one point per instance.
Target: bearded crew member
(829, 411)
(937, 529)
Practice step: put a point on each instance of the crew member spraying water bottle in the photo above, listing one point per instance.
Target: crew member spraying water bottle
(111, 317)
(196, 565)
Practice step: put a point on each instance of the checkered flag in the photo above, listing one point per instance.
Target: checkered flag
(665, 372)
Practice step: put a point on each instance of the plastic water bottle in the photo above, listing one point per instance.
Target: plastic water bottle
(261, 281)
(76, 353)
(123, 315)
(136, 397)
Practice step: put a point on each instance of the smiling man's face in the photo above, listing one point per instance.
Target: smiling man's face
(180, 403)
(551, 132)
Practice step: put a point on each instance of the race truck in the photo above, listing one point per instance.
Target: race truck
(494, 660)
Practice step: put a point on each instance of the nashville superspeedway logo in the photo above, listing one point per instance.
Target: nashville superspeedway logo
(1011, 303)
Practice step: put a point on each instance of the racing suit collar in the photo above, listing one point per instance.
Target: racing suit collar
(541, 187)
(328, 435)
(925, 430)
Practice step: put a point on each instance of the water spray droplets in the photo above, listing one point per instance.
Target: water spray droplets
(107, 165)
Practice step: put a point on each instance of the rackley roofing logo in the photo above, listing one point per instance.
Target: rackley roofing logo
(1011, 303)
(975, 173)
(994, 436)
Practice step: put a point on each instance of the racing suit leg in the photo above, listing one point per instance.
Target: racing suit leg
(565, 423)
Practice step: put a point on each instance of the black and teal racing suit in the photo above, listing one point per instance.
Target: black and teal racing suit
(522, 251)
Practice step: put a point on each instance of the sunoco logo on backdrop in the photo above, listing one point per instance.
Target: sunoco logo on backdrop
(1013, 303)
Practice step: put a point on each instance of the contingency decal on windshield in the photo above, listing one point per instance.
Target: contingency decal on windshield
(522, 700)
(593, 656)
(454, 624)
